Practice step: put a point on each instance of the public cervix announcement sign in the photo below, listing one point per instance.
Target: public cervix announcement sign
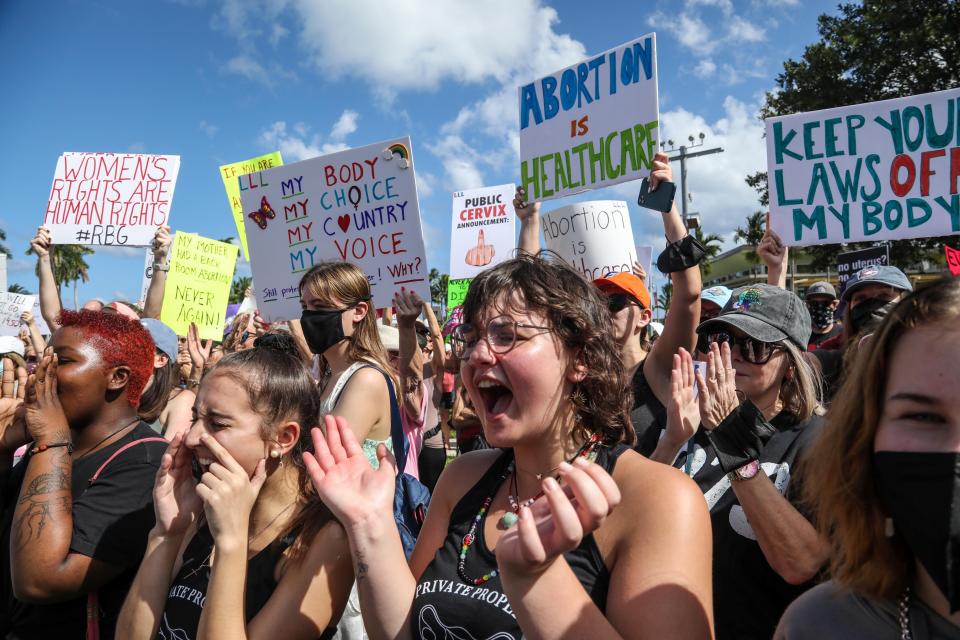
(592, 124)
(885, 170)
(357, 206)
(110, 198)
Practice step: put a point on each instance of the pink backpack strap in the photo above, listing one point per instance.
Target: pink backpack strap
(93, 604)
(121, 450)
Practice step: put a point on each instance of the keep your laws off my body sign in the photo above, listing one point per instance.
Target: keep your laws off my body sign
(110, 198)
(885, 170)
(590, 125)
(357, 206)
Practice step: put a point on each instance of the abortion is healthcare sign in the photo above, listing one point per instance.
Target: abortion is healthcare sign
(594, 237)
(110, 198)
(358, 206)
(885, 170)
(590, 125)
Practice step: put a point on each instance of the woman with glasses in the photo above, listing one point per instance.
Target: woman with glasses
(528, 538)
(759, 409)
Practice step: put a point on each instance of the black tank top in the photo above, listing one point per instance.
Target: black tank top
(447, 608)
(185, 600)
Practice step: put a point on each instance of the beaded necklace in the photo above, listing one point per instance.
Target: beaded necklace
(588, 449)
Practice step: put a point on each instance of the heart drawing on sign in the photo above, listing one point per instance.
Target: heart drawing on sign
(344, 222)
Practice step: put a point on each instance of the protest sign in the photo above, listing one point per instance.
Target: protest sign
(884, 170)
(592, 124)
(457, 292)
(38, 318)
(198, 285)
(953, 260)
(12, 306)
(147, 274)
(645, 258)
(240, 176)
(484, 232)
(110, 198)
(358, 206)
(594, 237)
(851, 262)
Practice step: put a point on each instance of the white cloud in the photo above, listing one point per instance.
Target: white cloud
(277, 33)
(425, 184)
(345, 125)
(724, 5)
(705, 69)
(745, 31)
(247, 66)
(209, 129)
(689, 29)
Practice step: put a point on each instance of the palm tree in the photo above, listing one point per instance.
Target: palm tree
(752, 235)
(438, 287)
(664, 297)
(68, 265)
(16, 288)
(3, 247)
(238, 288)
(711, 243)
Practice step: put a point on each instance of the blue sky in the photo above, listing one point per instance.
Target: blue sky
(221, 81)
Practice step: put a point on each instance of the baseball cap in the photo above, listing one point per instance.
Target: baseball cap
(822, 288)
(163, 336)
(764, 312)
(627, 283)
(877, 274)
(11, 344)
(718, 295)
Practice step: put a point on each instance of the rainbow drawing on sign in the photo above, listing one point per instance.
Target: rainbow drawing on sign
(398, 149)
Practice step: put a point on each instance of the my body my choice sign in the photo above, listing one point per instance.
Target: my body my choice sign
(357, 206)
(590, 125)
(885, 170)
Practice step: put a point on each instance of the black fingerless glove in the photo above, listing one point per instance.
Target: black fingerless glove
(681, 255)
(740, 437)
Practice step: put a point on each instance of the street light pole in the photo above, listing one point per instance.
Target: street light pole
(682, 155)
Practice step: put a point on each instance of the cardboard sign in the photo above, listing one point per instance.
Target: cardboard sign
(12, 306)
(147, 275)
(592, 124)
(594, 237)
(851, 262)
(198, 285)
(110, 198)
(236, 181)
(885, 170)
(953, 260)
(484, 232)
(357, 206)
(457, 292)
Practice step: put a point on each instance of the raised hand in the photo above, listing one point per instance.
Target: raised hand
(26, 317)
(480, 255)
(161, 243)
(557, 521)
(683, 412)
(717, 394)
(344, 479)
(44, 415)
(41, 242)
(639, 271)
(228, 493)
(408, 305)
(176, 503)
(13, 426)
(199, 352)
(660, 170)
(771, 248)
(525, 210)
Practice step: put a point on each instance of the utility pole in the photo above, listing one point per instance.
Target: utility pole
(682, 155)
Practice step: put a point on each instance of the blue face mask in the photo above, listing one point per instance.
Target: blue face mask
(322, 329)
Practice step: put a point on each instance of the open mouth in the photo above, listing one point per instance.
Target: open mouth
(200, 466)
(495, 396)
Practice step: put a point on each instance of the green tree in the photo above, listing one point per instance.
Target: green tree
(239, 287)
(3, 247)
(876, 50)
(69, 266)
(712, 243)
(664, 297)
(438, 287)
(751, 235)
(16, 288)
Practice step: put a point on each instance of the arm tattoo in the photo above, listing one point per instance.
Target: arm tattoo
(361, 567)
(42, 499)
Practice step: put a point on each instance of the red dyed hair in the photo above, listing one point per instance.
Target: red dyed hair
(120, 341)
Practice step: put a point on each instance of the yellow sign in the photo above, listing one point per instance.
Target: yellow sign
(236, 179)
(198, 285)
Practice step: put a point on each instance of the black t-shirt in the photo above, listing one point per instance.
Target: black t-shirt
(748, 595)
(816, 339)
(111, 520)
(444, 606)
(648, 415)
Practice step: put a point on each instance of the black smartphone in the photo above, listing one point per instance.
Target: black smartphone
(659, 200)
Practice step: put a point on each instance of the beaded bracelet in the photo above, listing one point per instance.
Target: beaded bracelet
(43, 447)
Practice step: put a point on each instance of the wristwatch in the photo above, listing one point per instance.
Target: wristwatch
(746, 472)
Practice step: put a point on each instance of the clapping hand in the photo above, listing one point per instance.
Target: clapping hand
(717, 394)
(683, 413)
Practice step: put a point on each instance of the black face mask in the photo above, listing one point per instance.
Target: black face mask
(322, 329)
(860, 315)
(920, 491)
(821, 314)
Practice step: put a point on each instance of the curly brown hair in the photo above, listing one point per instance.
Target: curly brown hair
(580, 319)
(837, 476)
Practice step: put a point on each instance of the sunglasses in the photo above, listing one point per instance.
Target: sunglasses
(753, 351)
(616, 302)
